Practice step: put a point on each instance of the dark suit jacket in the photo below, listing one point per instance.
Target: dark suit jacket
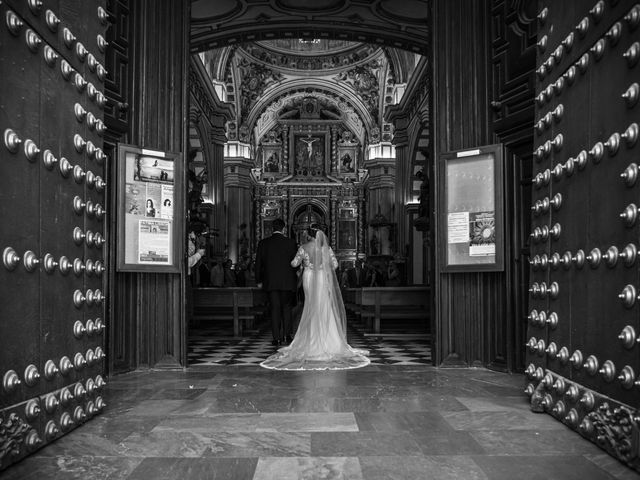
(273, 263)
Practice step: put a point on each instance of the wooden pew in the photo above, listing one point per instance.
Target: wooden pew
(352, 298)
(410, 302)
(240, 304)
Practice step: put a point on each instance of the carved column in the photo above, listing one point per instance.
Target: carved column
(334, 150)
(403, 185)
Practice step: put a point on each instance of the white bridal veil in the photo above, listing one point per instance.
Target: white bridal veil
(320, 342)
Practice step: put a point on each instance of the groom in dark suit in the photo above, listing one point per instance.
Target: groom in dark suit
(275, 274)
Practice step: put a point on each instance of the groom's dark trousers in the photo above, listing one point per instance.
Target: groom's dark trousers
(278, 278)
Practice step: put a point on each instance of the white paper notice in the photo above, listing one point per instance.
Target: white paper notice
(458, 227)
(153, 241)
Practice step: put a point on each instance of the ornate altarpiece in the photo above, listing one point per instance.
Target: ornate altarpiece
(307, 171)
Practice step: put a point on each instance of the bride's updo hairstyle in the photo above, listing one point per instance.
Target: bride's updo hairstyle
(313, 229)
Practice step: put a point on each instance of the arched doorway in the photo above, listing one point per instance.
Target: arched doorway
(305, 215)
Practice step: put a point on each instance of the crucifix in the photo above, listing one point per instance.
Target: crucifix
(309, 141)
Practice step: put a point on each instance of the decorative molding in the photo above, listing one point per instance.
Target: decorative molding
(12, 433)
(254, 79)
(613, 426)
(364, 81)
(201, 90)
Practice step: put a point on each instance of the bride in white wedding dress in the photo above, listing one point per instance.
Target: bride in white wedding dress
(321, 340)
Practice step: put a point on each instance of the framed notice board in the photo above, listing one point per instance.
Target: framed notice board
(149, 195)
(472, 202)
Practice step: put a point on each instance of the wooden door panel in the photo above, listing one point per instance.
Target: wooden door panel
(45, 197)
(600, 364)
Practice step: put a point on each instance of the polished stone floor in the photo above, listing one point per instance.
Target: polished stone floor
(381, 422)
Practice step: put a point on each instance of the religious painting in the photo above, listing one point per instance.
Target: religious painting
(347, 160)
(272, 160)
(346, 235)
(309, 154)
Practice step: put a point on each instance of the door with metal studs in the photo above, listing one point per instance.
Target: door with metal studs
(583, 343)
(52, 220)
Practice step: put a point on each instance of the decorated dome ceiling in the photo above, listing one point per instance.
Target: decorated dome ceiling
(352, 58)
(354, 81)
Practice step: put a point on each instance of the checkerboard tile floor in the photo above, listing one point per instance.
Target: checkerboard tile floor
(215, 345)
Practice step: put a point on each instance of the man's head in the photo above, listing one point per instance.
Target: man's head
(278, 225)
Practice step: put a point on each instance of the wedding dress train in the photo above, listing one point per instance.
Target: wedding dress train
(320, 342)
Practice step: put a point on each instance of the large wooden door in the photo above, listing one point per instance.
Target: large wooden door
(584, 323)
(52, 278)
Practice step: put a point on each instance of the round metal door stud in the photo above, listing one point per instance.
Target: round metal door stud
(33, 40)
(66, 422)
(10, 381)
(102, 43)
(630, 135)
(632, 54)
(629, 254)
(65, 365)
(10, 258)
(630, 215)
(627, 377)
(32, 440)
(631, 95)
(65, 265)
(591, 365)
(79, 363)
(50, 370)
(79, 415)
(31, 150)
(30, 261)
(49, 263)
(11, 140)
(14, 24)
(628, 296)
(78, 299)
(78, 236)
(32, 409)
(628, 337)
(65, 397)
(78, 329)
(613, 144)
(52, 21)
(78, 267)
(611, 256)
(31, 375)
(50, 56)
(78, 390)
(630, 175)
(65, 167)
(49, 159)
(608, 371)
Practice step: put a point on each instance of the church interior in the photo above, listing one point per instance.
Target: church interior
(473, 165)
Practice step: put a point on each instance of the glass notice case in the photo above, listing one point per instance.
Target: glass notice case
(471, 198)
(150, 190)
